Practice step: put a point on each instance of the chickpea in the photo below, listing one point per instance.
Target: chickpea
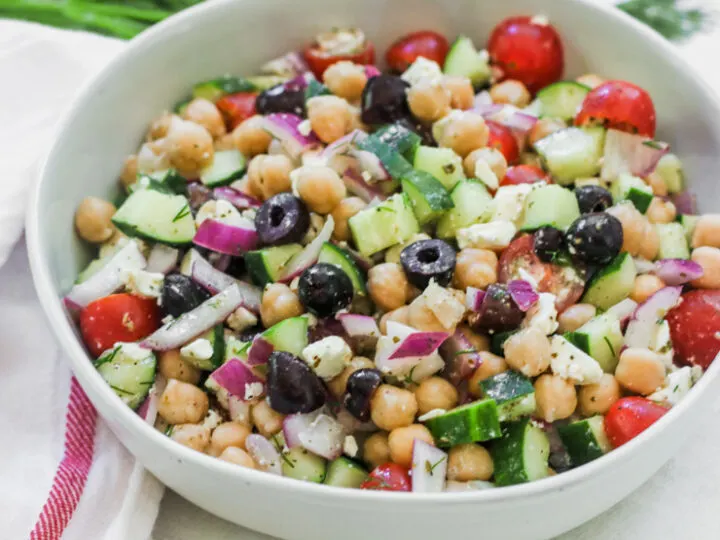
(356, 119)
(401, 315)
(387, 286)
(661, 211)
(269, 175)
(545, 127)
(479, 342)
(329, 117)
(658, 185)
(709, 259)
(250, 137)
(128, 175)
(528, 351)
(392, 407)
(598, 397)
(511, 92)
(428, 100)
(346, 209)
(475, 268)
(226, 435)
(279, 302)
(319, 187)
(160, 126)
(224, 142)
(462, 94)
(707, 231)
(172, 366)
(640, 371)
(492, 156)
(346, 80)
(401, 442)
(490, 364)
(182, 403)
(468, 462)
(645, 286)
(421, 317)
(463, 131)
(639, 236)
(376, 450)
(152, 157)
(204, 112)
(338, 385)
(189, 147)
(575, 316)
(267, 421)
(195, 436)
(238, 456)
(435, 393)
(591, 80)
(93, 220)
(555, 397)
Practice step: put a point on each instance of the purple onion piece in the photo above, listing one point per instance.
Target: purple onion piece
(223, 238)
(523, 294)
(677, 271)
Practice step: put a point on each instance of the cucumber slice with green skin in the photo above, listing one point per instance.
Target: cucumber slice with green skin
(264, 82)
(552, 206)
(290, 335)
(315, 88)
(400, 139)
(601, 337)
(475, 422)
(473, 204)
(497, 342)
(129, 370)
(513, 393)
(227, 165)
(443, 163)
(671, 171)
(332, 254)
(234, 348)
(673, 241)
(390, 222)
(393, 160)
(266, 265)
(611, 284)
(463, 59)
(562, 99)
(572, 153)
(216, 337)
(156, 216)
(300, 464)
(521, 455)
(689, 223)
(428, 197)
(91, 269)
(169, 181)
(585, 440)
(216, 88)
(344, 472)
(627, 187)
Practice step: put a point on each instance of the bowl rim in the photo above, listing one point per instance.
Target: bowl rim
(81, 363)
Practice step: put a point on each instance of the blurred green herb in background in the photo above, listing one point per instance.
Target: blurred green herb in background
(125, 19)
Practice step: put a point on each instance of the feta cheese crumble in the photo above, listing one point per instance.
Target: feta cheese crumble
(328, 357)
(422, 69)
(569, 362)
(677, 385)
(543, 315)
(444, 305)
(494, 235)
(485, 174)
(350, 446)
(200, 349)
(142, 283)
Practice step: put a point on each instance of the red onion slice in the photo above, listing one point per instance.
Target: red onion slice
(643, 325)
(343, 144)
(461, 357)
(357, 185)
(308, 256)
(388, 345)
(356, 325)
(149, 409)
(285, 128)
(294, 424)
(474, 298)
(429, 468)
(324, 437)
(190, 325)
(223, 238)
(236, 378)
(107, 280)
(264, 453)
(419, 344)
(677, 271)
(215, 281)
(685, 202)
(630, 153)
(623, 310)
(259, 352)
(162, 259)
(371, 71)
(237, 198)
(523, 294)
(371, 164)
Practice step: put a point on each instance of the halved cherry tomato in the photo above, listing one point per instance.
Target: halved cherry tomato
(527, 50)
(629, 417)
(502, 139)
(388, 477)
(320, 54)
(563, 281)
(118, 317)
(236, 108)
(619, 105)
(406, 50)
(695, 328)
(525, 174)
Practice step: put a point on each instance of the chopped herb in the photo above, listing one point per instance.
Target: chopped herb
(108, 358)
(409, 377)
(465, 351)
(184, 211)
(654, 144)
(449, 168)
(430, 467)
(287, 460)
(612, 349)
(121, 390)
(666, 17)
(169, 430)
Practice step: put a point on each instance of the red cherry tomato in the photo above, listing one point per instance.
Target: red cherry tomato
(406, 50)
(562, 281)
(236, 108)
(695, 328)
(320, 56)
(118, 317)
(502, 139)
(619, 105)
(527, 51)
(629, 417)
(388, 477)
(525, 174)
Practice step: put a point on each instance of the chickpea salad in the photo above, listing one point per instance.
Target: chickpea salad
(461, 273)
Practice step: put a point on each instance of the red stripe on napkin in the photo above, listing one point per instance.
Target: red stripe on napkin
(72, 473)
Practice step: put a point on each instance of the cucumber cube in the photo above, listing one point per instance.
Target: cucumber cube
(379, 227)
(613, 283)
(627, 187)
(572, 153)
(443, 163)
(551, 205)
(673, 241)
(474, 422)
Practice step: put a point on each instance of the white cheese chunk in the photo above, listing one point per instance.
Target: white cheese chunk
(253, 390)
(494, 235)
(485, 174)
(543, 315)
(241, 319)
(422, 69)
(569, 362)
(200, 349)
(142, 283)
(350, 446)
(677, 385)
(224, 212)
(509, 202)
(212, 420)
(328, 357)
(662, 344)
(444, 305)
(304, 128)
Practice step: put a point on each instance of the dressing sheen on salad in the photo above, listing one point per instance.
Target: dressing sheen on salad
(465, 272)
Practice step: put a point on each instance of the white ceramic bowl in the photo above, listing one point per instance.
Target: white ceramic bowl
(156, 70)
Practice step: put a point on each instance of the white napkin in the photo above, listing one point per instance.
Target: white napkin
(64, 474)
